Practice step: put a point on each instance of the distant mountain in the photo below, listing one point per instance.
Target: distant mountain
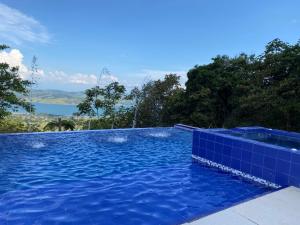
(57, 97)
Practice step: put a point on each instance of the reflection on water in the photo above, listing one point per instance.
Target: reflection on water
(160, 134)
(117, 139)
(37, 145)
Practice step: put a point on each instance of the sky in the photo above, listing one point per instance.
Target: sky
(135, 39)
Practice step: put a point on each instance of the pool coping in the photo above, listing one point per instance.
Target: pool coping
(281, 209)
(176, 126)
(82, 131)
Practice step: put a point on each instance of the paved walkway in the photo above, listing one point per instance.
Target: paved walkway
(278, 208)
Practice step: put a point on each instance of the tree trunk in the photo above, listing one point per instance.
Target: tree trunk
(59, 124)
(89, 126)
(113, 122)
(134, 118)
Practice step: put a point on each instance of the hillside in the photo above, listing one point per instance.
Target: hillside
(57, 97)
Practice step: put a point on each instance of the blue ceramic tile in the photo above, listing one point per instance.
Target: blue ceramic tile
(210, 155)
(201, 151)
(257, 159)
(271, 151)
(236, 153)
(204, 143)
(200, 134)
(281, 179)
(246, 167)
(295, 170)
(284, 155)
(295, 157)
(283, 166)
(256, 171)
(228, 141)
(204, 135)
(269, 162)
(218, 147)
(258, 149)
(227, 150)
(210, 145)
(201, 141)
(268, 175)
(236, 164)
(211, 137)
(247, 146)
(195, 144)
(219, 139)
(226, 160)
(196, 136)
(194, 150)
(246, 156)
(295, 181)
(237, 143)
(216, 158)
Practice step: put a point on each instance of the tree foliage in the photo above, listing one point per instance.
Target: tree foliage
(102, 98)
(11, 87)
(244, 90)
(136, 96)
(153, 103)
(60, 125)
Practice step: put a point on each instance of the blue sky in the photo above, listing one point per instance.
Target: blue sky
(74, 40)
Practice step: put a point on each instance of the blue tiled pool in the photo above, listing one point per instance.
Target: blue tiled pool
(137, 176)
(269, 138)
(268, 154)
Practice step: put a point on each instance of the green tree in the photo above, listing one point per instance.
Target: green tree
(102, 98)
(274, 96)
(11, 87)
(152, 107)
(210, 90)
(112, 94)
(136, 96)
(243, 90)
(60, 125)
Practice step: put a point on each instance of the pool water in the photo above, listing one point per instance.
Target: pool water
(269, 138)
(137, 176)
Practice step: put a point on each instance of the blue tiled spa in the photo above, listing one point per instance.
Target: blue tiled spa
(271, 156)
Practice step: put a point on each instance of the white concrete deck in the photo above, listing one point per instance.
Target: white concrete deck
(278, 208)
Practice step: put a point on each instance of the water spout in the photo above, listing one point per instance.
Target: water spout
(160, 134)
(37, 145)
(117, 139)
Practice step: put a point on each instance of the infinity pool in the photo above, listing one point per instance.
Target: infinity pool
(138, 176)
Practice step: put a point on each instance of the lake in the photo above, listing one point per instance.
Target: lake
(53, 109)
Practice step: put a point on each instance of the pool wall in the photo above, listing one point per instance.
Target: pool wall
(184, 127)
(274, 164)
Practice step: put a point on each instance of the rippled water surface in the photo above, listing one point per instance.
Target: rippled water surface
(142, 176)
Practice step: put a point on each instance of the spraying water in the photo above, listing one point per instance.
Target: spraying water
(160, 134)
(37, 145)
(117, 139)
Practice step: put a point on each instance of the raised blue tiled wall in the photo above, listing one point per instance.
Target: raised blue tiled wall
(272, 163)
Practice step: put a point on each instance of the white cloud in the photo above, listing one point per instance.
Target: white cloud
(17, 27)
(79, 78)
(15, 58)
(58, 79)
